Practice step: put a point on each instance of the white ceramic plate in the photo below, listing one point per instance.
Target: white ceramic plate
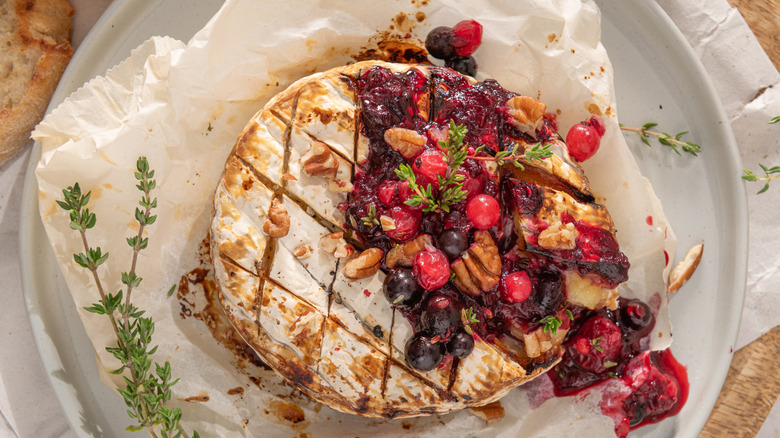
(658, 78)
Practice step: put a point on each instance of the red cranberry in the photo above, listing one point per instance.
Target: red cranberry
(431, 268)
(439, 42)
(583, 141)
(422, 354)
(429, 165)
(387, 193)
(407, 223)
(453, 243)
(401, 288)
(597, 345)
(468, 37)
(405, 194)
(516, 287)
(461, 344)
(598, 124)
(472, 186)
(483, 211)
(440, 316)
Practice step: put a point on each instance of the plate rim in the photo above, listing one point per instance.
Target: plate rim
(102, 27)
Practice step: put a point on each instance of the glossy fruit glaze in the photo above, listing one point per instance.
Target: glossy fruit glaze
(610, 349)
(532, 282)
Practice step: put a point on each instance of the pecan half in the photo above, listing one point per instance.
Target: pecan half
(527, 112)
(558, 236)
(403, 254)
(479, 268)
(683, 271)
(319, 160)
(278, 223)
(364, 265)
(335, 244)
(406, 141)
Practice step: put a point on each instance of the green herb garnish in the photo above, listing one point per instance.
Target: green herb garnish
(673, 141)
(370, 218)
(551, 323)
(468, 316)
(146, 391)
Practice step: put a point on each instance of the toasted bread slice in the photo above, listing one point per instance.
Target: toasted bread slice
(34, 35)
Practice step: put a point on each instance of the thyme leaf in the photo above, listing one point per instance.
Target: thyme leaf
(551, 323)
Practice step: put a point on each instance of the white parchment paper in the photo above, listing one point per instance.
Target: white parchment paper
(182, 107)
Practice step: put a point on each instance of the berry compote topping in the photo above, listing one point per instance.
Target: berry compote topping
(524, 287)
(610, 348)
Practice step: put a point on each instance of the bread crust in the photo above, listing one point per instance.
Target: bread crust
(39, 51)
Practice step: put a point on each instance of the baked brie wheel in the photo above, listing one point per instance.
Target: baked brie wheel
(358, 293)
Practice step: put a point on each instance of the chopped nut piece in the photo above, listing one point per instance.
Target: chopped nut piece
(339, 186)
(403, 254)
(320, 161)
(289, 177)
(479, 268)
(683, 271)
(278, 223)
(364, 265)
(335, 244)
(388, 224)
(539, 341)
(528, 113)
(489, 412)
(407, 142)
(303, 252)
(558, 236)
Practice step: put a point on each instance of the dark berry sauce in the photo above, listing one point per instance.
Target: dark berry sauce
(599, 345)
(607, 345)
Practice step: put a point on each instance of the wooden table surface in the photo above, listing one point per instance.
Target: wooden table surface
(753, 382)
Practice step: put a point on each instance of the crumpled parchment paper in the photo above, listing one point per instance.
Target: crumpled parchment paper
(182, 106)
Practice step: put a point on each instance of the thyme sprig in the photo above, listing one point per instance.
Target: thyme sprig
(551, 323)
(146, 391)
(456, 151)
(450, 185)
(537, 152)
(770, 173)
(467, 317)
(673, 141)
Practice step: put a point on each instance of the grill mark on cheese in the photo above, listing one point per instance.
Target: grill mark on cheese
(277, 189)
(230, 260)
(387, 362)
(453, 373)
